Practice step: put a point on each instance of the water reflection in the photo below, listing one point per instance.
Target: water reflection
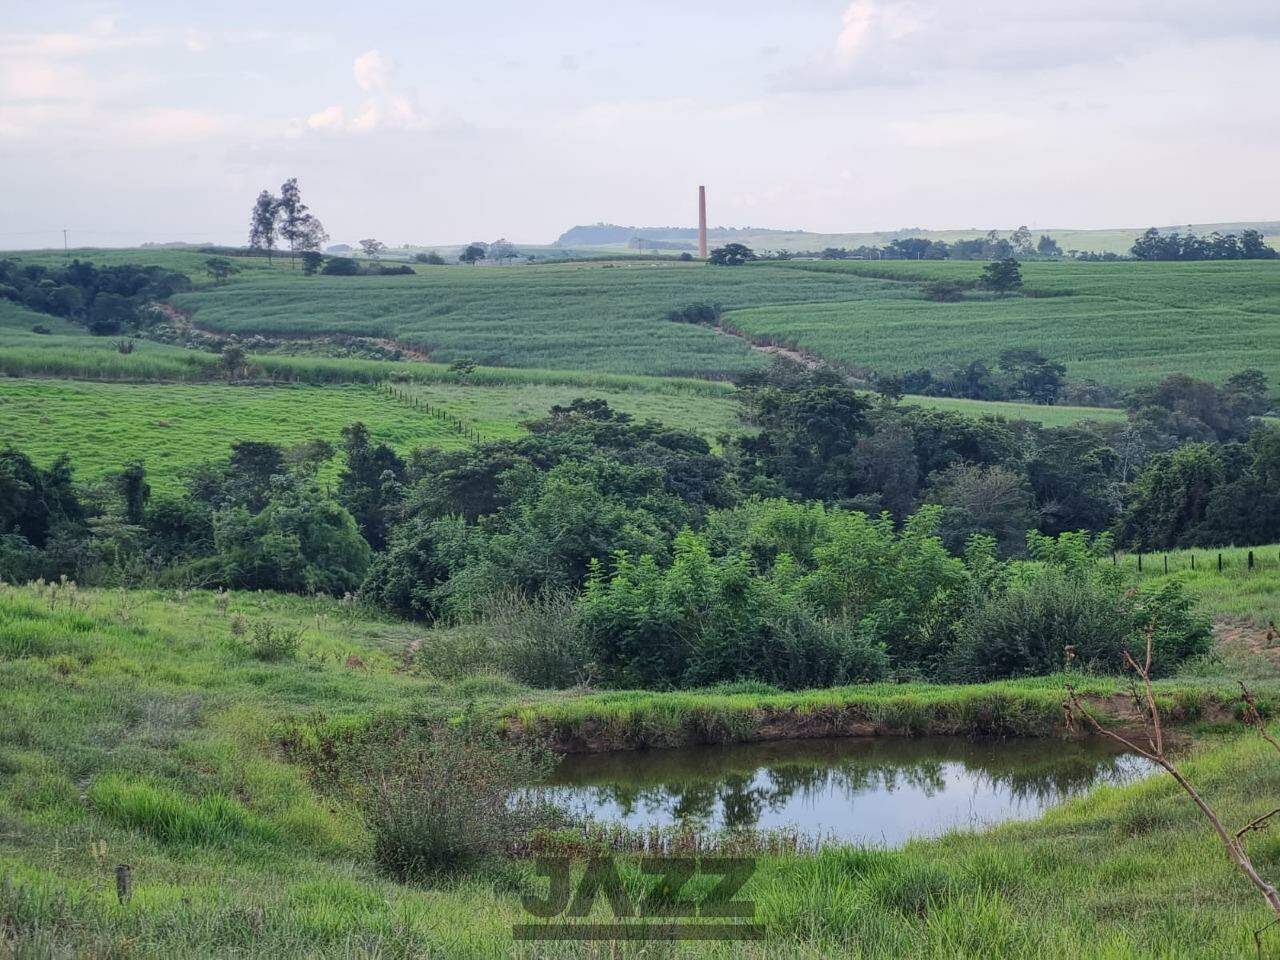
(876, 790)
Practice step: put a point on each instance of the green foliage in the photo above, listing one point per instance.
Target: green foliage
(441, 806)
(1002, 276)
(271, 642)
(299, 542)
(731, 255)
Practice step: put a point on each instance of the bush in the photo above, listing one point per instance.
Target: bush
(707, 314)
(41, 328)
(538, 639)
(945, 291)
(340, 267)
(301, 542)
(1025, 630)
(446, 804)
(270, 643)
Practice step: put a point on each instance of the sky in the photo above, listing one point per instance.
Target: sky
(432, 122)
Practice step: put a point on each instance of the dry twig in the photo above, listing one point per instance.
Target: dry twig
(1145, 699)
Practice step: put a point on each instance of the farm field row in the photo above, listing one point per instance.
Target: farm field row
(596, 316)
(1120, 324)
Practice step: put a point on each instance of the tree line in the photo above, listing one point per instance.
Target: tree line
(1249, 245)
(846, 537)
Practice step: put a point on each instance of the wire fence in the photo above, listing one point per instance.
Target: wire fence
(1227, 561)
(453, 422)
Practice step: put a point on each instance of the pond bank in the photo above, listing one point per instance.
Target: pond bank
(631, 720)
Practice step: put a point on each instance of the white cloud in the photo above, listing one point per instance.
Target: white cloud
(373, 71)
(388, 107)
(856, 28)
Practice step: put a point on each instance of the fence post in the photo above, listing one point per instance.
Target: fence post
(1250, 559)
(1166, 563)
(1219, 562)
(1193, 561)
(1139, 562)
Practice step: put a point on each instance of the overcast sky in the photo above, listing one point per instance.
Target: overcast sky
(438, 122)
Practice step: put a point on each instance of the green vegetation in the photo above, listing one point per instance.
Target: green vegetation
(139, 727)
(171, 427)
(602, 317)
(1121, 324)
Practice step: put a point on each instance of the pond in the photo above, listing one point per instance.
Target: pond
(865, 790)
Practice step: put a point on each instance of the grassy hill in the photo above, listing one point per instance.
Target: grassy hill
(1119, 323)
(1110, 240)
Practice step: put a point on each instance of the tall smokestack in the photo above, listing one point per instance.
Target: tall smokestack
(702, 223)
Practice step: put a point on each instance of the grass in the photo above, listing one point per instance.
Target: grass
(1237, 592)
(136, 728)
(172, 426)
(595, 316)
(1122, 324)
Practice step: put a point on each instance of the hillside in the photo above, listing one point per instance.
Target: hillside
(1109, 240)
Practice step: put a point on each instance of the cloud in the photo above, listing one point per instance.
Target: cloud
(373, 71)
(910, 42)
(388, 106)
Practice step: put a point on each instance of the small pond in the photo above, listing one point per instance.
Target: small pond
(867, 790)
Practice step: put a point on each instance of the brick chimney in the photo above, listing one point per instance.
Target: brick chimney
(702, 223)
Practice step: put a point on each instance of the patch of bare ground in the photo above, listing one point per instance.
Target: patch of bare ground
(1235, 636)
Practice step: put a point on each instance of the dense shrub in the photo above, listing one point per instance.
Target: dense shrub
(706, 619)
(1069, 598)
(441, 806)
(340, 267)
(538, 639)
(299, 542)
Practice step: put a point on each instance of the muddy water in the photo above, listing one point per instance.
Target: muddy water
(867, 790)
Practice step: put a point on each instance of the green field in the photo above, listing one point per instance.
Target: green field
(135, 728)
(597, 316)
(172, 426)
(1122, 324)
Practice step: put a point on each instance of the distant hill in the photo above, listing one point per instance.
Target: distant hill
(1112, 240)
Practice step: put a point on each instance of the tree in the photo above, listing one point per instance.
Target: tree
(1020, 240)
(994, 501)
(1048, 247)
(233, 361)
(371, 485)
(264, 223)
(1031, 375)
(1002, 276)
(473, 253)
(312, 260)
(731, 255)
(372, 248)
(300, 542)
(311, 235)
(432, 258)
(501, 250)
(219, 269)
(135, 492)
(1254, 247)
(297, 225)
